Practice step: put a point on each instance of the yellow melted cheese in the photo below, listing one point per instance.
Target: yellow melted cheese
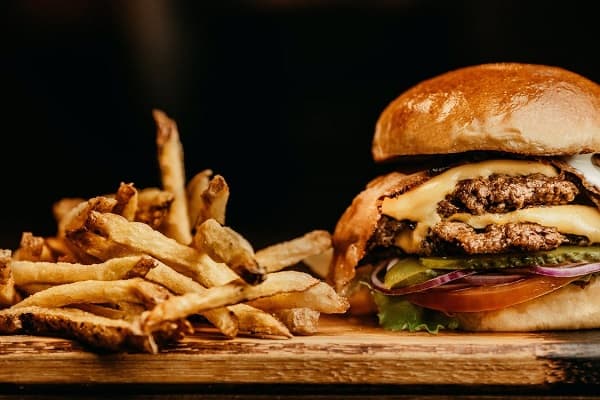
(420, 204)
(574, 219)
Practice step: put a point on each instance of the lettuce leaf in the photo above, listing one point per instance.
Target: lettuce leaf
(397, 314)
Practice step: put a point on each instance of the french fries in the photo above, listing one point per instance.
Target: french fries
(129, 270)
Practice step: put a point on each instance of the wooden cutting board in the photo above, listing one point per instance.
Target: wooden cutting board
(345, 351)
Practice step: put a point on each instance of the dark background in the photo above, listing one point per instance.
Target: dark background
(280, 97)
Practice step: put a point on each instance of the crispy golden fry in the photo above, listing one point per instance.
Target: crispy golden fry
(223, 244)
(319, 263)
(153, 206)
(32, 288)
(134, 290)
(320, 297)
(258, 323)
(194, 190)
(8, 294)
(178, 307)
(105, 311)
(170, 160)
(75, 218)
(26, 272)
(96, 246)
(140, 238)
(300, 321)
(214, 201)
(33, 248)
(89, 329)
(127, 201)
(285, 254)
(63, 206)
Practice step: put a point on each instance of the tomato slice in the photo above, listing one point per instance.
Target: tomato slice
(487, 298)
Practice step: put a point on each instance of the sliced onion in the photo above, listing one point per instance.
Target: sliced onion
(419, 287)
(566, 270)
(492, 279)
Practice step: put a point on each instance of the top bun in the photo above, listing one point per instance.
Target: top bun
(533, 110)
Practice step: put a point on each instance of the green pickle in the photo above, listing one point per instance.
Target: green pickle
(412, 270)
(557, 256)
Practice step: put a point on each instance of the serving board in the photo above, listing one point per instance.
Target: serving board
(345, 351)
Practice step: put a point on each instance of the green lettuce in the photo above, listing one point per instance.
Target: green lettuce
(397, 314)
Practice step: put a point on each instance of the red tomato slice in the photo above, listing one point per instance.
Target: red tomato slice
(487, 298)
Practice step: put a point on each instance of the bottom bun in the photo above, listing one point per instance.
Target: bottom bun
(569, 308)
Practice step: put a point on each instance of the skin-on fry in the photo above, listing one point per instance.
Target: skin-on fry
(170, 160)
(194, 189)
(33, 248)
(127, 200)
(89, 329)
(8, 294)
(97, 246)
(320, 297)
(75, 218)
(153, 206)
(214, 201)
(178, 307)
(141, 238)
(300, 321)
(26, 272)
(257, 323)
(223, 244)
(134, 290)
(285, 254)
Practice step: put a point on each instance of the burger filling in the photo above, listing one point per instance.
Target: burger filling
(481, 237)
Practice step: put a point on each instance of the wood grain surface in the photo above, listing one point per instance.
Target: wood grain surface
(345, 351)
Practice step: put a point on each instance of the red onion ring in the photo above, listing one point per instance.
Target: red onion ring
(492, 279)
(419, 287)
(566, 270)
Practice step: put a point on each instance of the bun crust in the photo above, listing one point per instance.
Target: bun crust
(525, 109)
(568, 308)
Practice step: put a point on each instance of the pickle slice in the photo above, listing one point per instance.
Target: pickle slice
(509, 260)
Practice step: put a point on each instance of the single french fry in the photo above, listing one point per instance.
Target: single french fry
(214, 201)
(140, 238)
(96, 246)
(170, 159)
(194, 190)
(92, 330)
(153, 206)
(225, 245)
(178, 307)
(129, 312)
(257, 323)
(127, 201)
(134, 290)
(63, 206)
(8, 294)
(285, 254)
(33, 248)
(300, 321)
(27, 272)
(32, 288)
(75, 218)
(320, 297)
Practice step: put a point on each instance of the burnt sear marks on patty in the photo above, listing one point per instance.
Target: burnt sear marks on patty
(503, 193)
(461, 238)
(386, 231)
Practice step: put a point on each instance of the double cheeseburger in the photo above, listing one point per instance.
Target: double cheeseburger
(490, 220)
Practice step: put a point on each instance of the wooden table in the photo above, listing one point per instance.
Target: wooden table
(347, 357)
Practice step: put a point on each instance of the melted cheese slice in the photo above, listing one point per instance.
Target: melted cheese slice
(420, 204)
(574, 219)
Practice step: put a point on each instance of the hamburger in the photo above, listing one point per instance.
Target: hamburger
(489, 217)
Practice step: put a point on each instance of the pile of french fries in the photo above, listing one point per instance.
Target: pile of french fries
(139, 269)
